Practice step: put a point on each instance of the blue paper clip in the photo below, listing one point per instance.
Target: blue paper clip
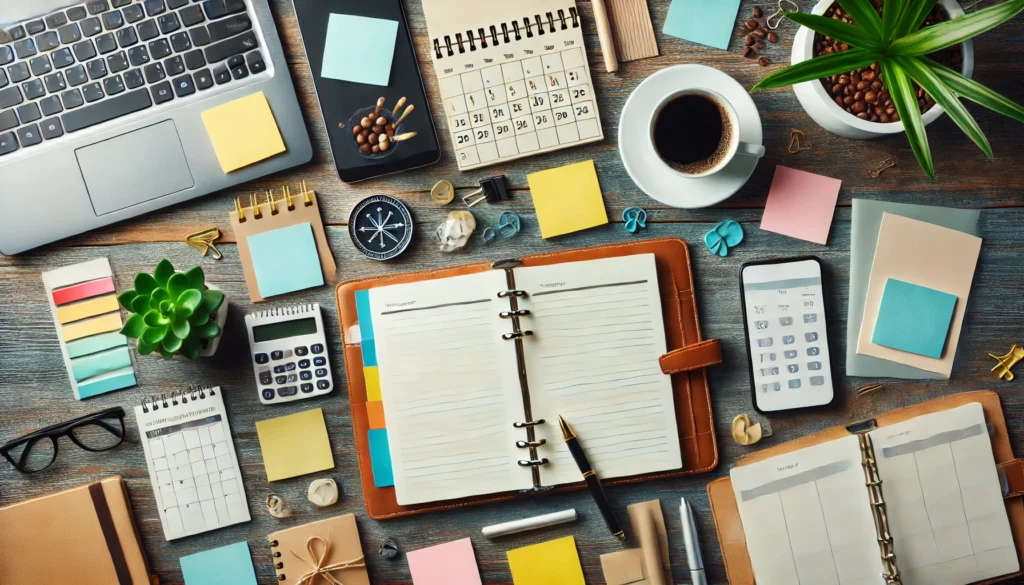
(489, 235)
(635, 218)
(509, 224)
(723, 236)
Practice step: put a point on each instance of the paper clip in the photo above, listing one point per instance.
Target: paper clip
(509, 224)
(781, 14)
(635, 218)
(203, 241)
(1006, 362)
(868, 389)
(489, 235)
(882, 167)
(798, 141)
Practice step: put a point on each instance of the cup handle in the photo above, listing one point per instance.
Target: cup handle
(751, 149)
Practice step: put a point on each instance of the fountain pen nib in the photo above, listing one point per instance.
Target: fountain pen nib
(567, 432)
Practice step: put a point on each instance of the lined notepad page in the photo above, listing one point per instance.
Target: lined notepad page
(593, 358)
(946, 511)
(450, 387)
(807, 517)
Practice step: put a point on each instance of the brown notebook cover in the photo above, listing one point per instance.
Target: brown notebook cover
(85, 535)
(688, 355)
(332, 545)
(727, 515)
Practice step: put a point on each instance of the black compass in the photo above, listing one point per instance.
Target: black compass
(380, 227)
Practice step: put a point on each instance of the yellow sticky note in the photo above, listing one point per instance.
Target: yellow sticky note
(295, 445)
(372, 376)
(104, 324)
(90, 308)
(555, 562)
(243, 132)
(567, 199)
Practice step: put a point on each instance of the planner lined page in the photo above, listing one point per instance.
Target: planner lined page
(807, 517)
(946, 511)
(450, 387)
(593, 358)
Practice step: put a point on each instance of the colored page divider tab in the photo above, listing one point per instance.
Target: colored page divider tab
(380, 459)
(369, 347)
(85, 309)
(375, 412)
(101, 363)
(104, 324)
(85, 290)
(380, 453)
(95, 344)
(106, 383)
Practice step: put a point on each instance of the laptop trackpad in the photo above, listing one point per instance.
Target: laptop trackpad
(134, 168)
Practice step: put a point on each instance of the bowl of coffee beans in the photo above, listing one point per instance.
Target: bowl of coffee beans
(378, 131)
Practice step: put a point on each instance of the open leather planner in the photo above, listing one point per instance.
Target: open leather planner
(462, 373)
(925, 495)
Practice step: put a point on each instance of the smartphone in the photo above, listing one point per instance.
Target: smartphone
(347, 88)
(785, 319)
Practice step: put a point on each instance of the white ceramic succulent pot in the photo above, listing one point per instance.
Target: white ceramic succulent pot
(820, 107)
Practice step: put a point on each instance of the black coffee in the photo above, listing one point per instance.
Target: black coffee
(692, 133)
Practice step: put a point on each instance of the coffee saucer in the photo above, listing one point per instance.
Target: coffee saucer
(646, 167)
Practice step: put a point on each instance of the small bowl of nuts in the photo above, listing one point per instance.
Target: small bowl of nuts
(377, 131)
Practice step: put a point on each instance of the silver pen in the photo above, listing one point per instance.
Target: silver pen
(693, 558)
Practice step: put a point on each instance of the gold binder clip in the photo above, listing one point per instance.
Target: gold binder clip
(204, 241)
(798, 141)
(254, 201)
(270, 200)
(307, 200)
(1006, 362)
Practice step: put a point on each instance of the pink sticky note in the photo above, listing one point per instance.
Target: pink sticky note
(453, 563)
(801, 204)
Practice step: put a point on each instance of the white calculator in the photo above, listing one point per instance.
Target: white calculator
(289, 353)
(784, 318)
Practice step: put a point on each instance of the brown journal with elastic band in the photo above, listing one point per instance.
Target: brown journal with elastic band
(685, 361)
(724, 506)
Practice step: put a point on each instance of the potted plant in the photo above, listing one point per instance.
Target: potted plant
(174, 313)
(898, 50)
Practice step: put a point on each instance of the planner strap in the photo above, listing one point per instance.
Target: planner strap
(1011, 476)
(692, 357)
(99, 502)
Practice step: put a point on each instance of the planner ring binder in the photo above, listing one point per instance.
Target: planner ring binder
(874, 483)
(158, 401)
(480, 35)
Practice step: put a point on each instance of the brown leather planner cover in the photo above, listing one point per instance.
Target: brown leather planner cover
(727, 515)
(682, 329)
(85, 535)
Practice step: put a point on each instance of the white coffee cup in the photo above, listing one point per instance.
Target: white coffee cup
(731, 122)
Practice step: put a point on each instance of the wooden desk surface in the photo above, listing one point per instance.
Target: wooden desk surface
(34, 388)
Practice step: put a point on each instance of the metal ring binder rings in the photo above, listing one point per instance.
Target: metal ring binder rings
(481, 34)
(874, 484)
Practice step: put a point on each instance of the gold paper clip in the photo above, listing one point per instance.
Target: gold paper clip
(204, 241)
(798, 141)
(1006, 362)
(865, 390)
(882, 167)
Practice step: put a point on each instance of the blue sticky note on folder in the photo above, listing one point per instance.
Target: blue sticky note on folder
(228, 565)
(707, 22)
(285, 260)
(359, 49)
(914, 318)
(380, 458)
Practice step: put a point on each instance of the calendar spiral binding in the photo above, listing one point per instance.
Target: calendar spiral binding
(194, 393)
(873, 481)
(278, 563)
(507, 32)
(285, 311)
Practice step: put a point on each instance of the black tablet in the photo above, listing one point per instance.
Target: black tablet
(348, 45)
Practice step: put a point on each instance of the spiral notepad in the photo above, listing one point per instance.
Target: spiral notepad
(192, 462)
(514, 78)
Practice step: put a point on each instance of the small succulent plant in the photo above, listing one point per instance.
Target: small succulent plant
(172, 312)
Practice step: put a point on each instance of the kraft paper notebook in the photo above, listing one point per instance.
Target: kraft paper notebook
(333, 543)
(925, 495)
(607, 336)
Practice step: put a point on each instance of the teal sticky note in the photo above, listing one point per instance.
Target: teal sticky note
(380, 458)
(707, 22)
(359, 49)
(369, 346)
(100, 363)
(108, 382)
(95, 344)
(228, 565)
(285, 260)
(913, 318)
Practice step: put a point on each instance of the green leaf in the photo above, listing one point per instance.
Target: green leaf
(163, 272)
(819, 67)
(208, 331)
(181, 328)
(155, 319)
(976, 92)
(212, 300)
(190, 300)
(892, 11)
(914, 16)
(177, 285)
(166, 354)
(945, 97)
(855, 36)
(191, 347)
(196, 278)
(140, 304)
(154, 335)
(863, 13)
(134, 326)
(160, 295)
(144, 348)
(905, 99)
(198, 318)
(171, 344)
(145, 283)
(125, 299)
(953, 32)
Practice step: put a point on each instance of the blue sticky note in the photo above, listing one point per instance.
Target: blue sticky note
(95, 344)
(359, 49)
(707, 22)
(914, 318)
(369, 346)
(106, 383)
(285, 260)
(380, 458)
(228, 565)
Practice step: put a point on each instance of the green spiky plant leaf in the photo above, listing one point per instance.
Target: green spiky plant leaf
(899, 44)
(172, 312)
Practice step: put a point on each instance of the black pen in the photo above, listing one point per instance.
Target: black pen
(593, 483)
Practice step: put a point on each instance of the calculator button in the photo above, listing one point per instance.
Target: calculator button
(813, 351)
(769, 371)
(266, 378)
(788, 340)
(320, 361)
(303, 364)
(773, 387)
(288, 391)
(811, 337)
(814, 366)
(278, 369)
(817, 380)
(301, 351)
(317, 348)
(288, 353)
(281, 379)
(811, 318)
(292, 378)
(277, 355)
(762, 325)
(794, 384)
(792, 368)
(306, 375)
(262, 358)
(321, 373)
(767, 357)
(785, 321)
(306, 388)
(322, 384)
(268, 394)
(290, 367)
(789, 353)
(766, 342)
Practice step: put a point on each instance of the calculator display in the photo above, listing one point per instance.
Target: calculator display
(785, 323)
(283, 330)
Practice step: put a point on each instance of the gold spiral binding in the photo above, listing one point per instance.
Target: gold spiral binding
(873, 481)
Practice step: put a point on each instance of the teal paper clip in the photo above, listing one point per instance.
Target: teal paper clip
(635, 218)
(489, 235)
(725, 235)
(509, 224)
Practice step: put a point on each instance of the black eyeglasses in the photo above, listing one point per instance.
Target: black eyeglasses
(99, 431)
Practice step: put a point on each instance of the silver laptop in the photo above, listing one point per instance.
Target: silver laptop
(101, 103)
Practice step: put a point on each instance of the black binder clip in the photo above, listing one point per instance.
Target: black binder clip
(491, 190)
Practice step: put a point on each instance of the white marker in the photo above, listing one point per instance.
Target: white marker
(525, 524)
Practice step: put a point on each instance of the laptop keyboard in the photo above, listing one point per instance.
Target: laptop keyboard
(104, 59)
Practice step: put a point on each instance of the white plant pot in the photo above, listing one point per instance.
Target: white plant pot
(823, 110)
